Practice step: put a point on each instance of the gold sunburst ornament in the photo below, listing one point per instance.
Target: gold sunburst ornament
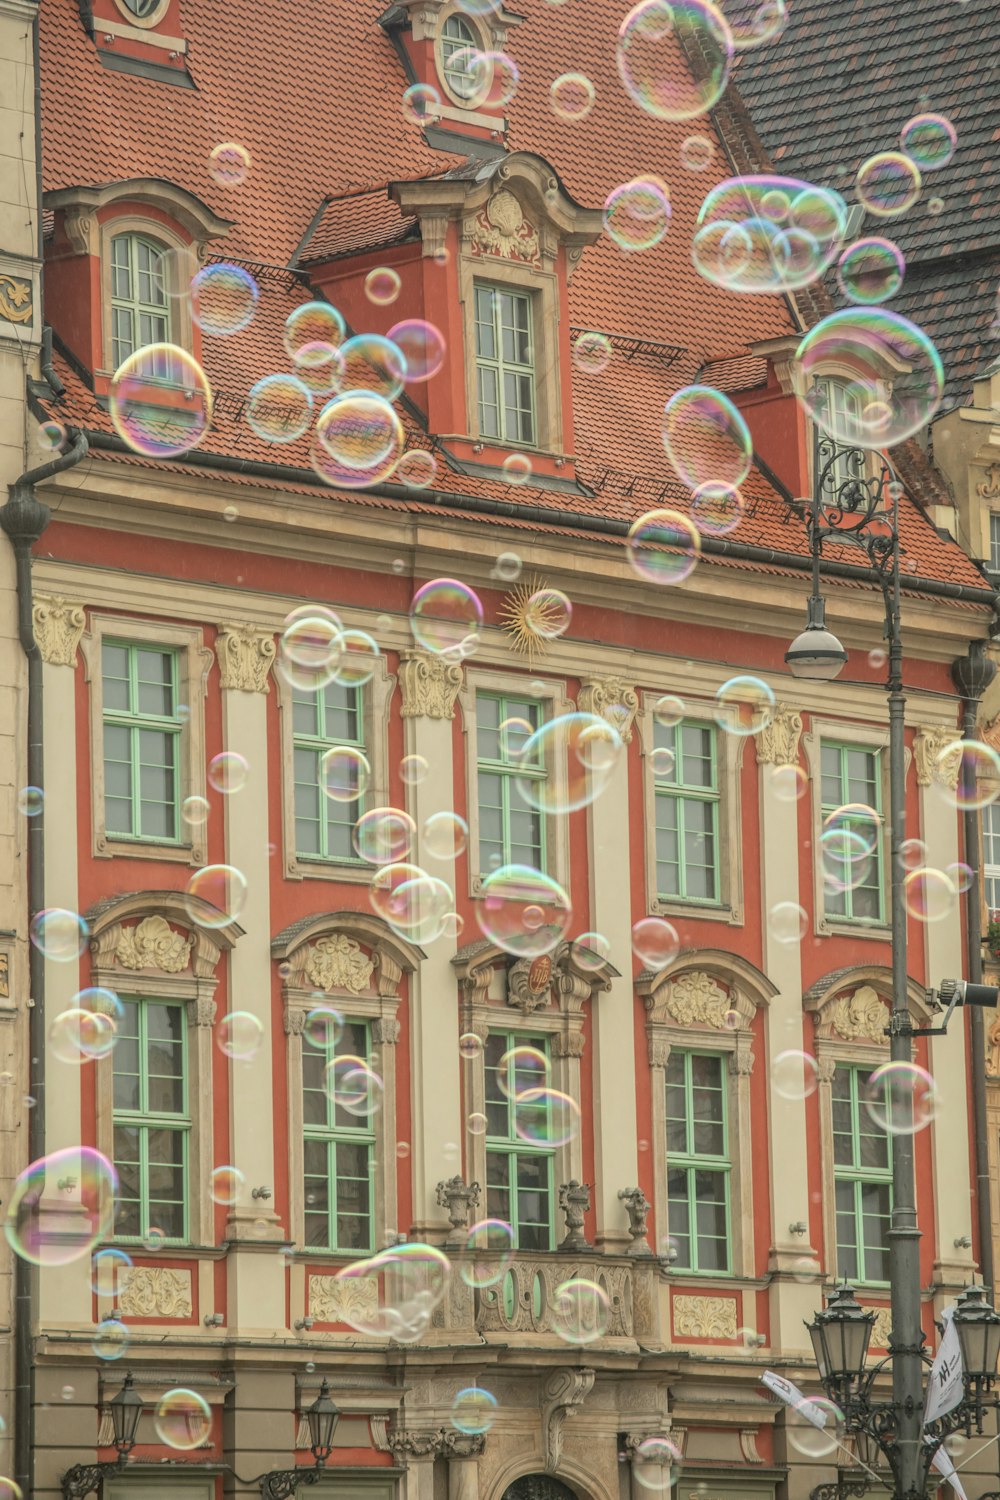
(529, 618)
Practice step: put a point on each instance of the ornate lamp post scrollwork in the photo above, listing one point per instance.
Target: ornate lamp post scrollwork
(126, 1409)
(322, 1416)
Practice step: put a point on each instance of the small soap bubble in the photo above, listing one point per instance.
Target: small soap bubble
(229, 164)
(637, 213)
(789, 783)
(523, 910)
(445, 835)
(413, 769)
(794, 1074)
(592, 353)
(912, 853)
(30, 801)
(573, 96)
(225, 1184)
(871, 270)
(476, 1123)
(104, 1269)
(240, 1034)
(663, 547)
(51, 436)
(548, 613)
(313, 333)
(888, 184)
(228, 772)
(445, 614)
(697, 153)
(668, 710)
(706, 437)
(787, 922)
(224, 298)
(656, 1464)
(508, 566)
(323, 1027)
(591, 951)
(216, 895)
(195, 811)
(929, 140)
(516, 468)
(901, 1098)
(744, 706)
(930, 895)
(111, 1340)
(470, 1046)
(59, 934)
(344, 773)
(183, 1419)
(416, 468)
(154, 1240)
(474, 1410)
(421, 104)
(279, 408)
(384, 835)
(382, 285)
(581, 1311)
(66, 1394)
(422, 346)
(655, 942)
(806, 1436)
(353, 1085)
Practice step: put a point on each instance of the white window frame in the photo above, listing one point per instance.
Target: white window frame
(991, 871)
(478, 39)
(179, 316)
(994, 541)
(194, 662)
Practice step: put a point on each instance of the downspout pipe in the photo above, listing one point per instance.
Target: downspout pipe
(972, 675)
(24, 518)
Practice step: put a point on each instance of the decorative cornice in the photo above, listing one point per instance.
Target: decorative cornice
(937, 753)
(613, 700)
(246, 655)
(430, 685)
(778, 742)
(58, 624)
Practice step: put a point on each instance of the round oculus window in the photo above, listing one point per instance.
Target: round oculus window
(142, 12)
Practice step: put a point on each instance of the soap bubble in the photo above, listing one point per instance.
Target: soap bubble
(967, 774)
(789, 783)
(383, 835)
(160, 401)
(104, 1269)
(421, 104)
(353, 1084)
(360, 430)
(373, 366)
(697, 153)
(787, 922)
(414, 903)
(548, 613)
(763, 23)
(111, 1340)
(61, 1206)
(572, 96)
(227, 772)
(361, 652)
(546, 1117)
(794, 1074)
(871, 270)
(744, 706)
(592, 353)
(446, 615)
(663, 547)
(195, 811)
(888, 184)
(523, 911)
(929, 894)
(183, 1419)
(591, 950)
(521, 1070)
(77, 1035)
(716, 509)
(765, 233)
(470, 1046)
(240, 1034)
(929, 140)
(655, 942)
(516, 468)
(279, 408)
(900, 1098)
(344, 773)
(59, 935)
(491, 1246)
(224, 1185)
(224, 888)
(805, 1436)
(229, 163)
(674, 58)
(896, 382)
(422, 346)
(445, 835)
(416, 468)
(30, 801)
(314, 331)
(656, 1464)
(668, 710)
(706, 437)
(224, 298)
(637, 213)
(310, 648)
(508, 566)
(382, 285)
(581, 1311)
(477, 1123)
(323, 1027)
(577, 751)
(393, 1294)
(474, 1410)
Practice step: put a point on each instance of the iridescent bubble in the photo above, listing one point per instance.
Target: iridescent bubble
(223, 888)
(228, 772)
(762, 22)
(414, 903)
(279, 408)
(521, 1070)
(445, 615)
(806, 1436)
(358, 663)
(578, 752)
(470, 1046)
(51, 437)
(656, 1464)
(323, 1027)
(474, 1410)
(663, 547)
(744, 706)
(180, 264)
(581, 1311)
(794, 1074)
(592, 352)
(674, 58)
(637, 213)
(789, 783)
(573, 96)
(490, 1248)
(160, 401)
(961, 877)
(353, 1084)
(445, 835)
(360, 430)
(111, 1340)
(591, 950)
(224, 298)
(706, 437)
(967, 774)
(900, 1098)
(30, 801)
(655, 942)
(102, 1002)
(787, 922)
(697, 153)
(384, 835)
(422, 346)
(546, 1117)
(313, 332)
(896, 382)
(929, 140)
(668, 710)
(861, 822)
(61, 1206)
(416, 468)
(929, 894)
(548, 613)
(717, 509)
(871, 271)
(310, 647)
(393, 1294)
(229, 163)
(59, 935)
(516, 468)
(104, 1270)
(523, 911)
(344, 773)
(413, 769)
(183, 1419)
(888, 184)
(477, 1123)
(155, 1240)
(382, 285)
(486, 80)
(421, 104)
(239, 1034)
(766, 233)
(224, 1185)
(195, 811)
(912, 853)
(78, 1036)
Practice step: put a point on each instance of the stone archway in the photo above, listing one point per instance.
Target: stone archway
(538, 1487)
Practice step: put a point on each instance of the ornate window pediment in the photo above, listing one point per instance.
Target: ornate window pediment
(547, 992)
(851, 1009)
(154, 940)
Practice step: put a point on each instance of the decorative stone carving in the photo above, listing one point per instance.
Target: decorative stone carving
(860, 1017)
(694, 999)
(564, 1393)
(385, 1031)
(529, 983)
(153, 1292)
(705, 1317)
(613, 700)
(637, 1206)
(748, 1446)
(440, 1444)
(153, 944)
(246, 656)
(337, 962)
(620, 1280)
(989, 488)
(501, 229)
(17, 302)
(658, 1051)
(778, 742)
(568, 1044)
(938, 756)
(574, 1200)
(333, 1301)
(295, 1021)
(458, 1199)
(58, 625)
(881, 1328)
(204, 1011)
(429, 686)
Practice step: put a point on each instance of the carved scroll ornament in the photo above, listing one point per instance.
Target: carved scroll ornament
(154, 1292)
(153, 944)
(337, 962)
(705, 1317)
(58, 627)
(859, 1017)
(430, 686)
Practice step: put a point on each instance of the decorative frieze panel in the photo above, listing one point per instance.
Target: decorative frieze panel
(861, 1016)
(881, 1328)
(526, 1304)
(333, 1301)
(153, 1292)
(705, 1317)
(153, 944)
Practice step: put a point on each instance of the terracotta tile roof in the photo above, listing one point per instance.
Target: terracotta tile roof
(363, 221)
(838, 85)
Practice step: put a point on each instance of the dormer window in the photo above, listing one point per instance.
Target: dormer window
(457, 38)
(140, 314)
(505, 365)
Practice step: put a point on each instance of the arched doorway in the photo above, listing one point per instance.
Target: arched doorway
(538, 1487)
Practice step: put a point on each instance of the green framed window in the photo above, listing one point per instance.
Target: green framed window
(321, 721)
(456, 36)
(140, 312)
(687, 797)
(840, 404)
(505, 364)
(151, 1120)
(510, 831)
(338, 1150)
(519, 1174)
(698, 1165)
(862, 1172)
(852, 886)
(142, 741)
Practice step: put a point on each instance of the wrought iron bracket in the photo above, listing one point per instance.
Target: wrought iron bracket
(86, 1479)
(844, 1489)
(281, 1484)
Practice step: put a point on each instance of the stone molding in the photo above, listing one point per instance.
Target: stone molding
(441, 1443)
(153, 1292)
(334, 962)
(860, 1016)
(246, 655)
(613, 700)
(704, 1317)
(58, 625)
(331, 1300)
(777, 744)
(153, 944)
(932, 762)
(429, 685)
(564, 1393)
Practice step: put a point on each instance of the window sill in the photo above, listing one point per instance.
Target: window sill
(112, 846)
(298, 867)
(843, 927)
(662, 906)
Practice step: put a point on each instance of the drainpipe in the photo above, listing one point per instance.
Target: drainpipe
(24, 518)
(972, 675)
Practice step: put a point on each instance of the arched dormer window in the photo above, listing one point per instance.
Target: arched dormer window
(456, 37)
(140, 311)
